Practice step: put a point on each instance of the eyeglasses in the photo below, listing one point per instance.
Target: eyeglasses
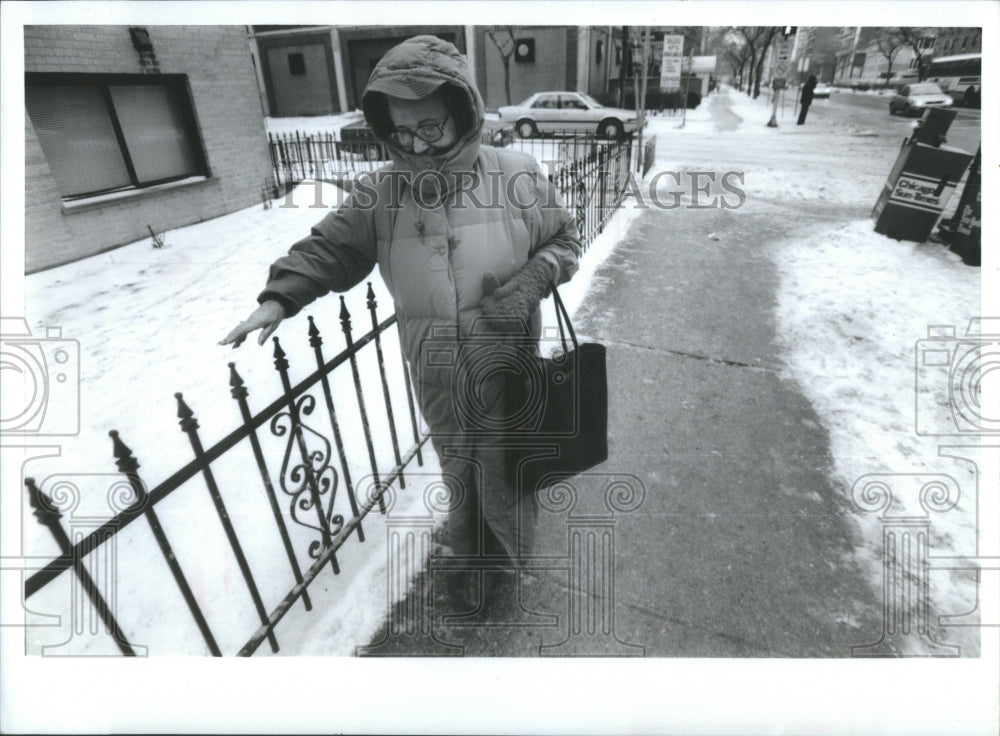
(427, 131)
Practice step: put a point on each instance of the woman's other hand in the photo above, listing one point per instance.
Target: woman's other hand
(265, 318)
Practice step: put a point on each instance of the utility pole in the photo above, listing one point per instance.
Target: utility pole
(686, 87)
(625, 65)
(640, 89)
(854, 48)
(779, 67)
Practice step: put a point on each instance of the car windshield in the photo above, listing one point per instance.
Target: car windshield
(925, 89)
(591, 101)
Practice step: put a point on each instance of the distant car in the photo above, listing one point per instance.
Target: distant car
(822, 91)
(913, 99)
(549, 112)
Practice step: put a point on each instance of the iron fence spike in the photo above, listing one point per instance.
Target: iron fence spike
(315, 339)
(280, 361)
(345, 316)
(235, 380)
(183, 410)
(44, 510)
(371, 297)
(120, 448)
(188, 422)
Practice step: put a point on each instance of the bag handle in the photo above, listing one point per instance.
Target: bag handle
(562, 314)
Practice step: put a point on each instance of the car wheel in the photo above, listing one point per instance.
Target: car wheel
(526, 129)
(610, 129)
(907, 111)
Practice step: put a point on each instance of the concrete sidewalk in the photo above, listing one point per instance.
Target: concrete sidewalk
(734, 542)
(741, 547)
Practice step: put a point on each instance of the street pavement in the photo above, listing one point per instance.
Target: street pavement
(714, 528)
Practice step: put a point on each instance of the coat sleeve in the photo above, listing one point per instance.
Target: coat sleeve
(337, 255)
(552, 227)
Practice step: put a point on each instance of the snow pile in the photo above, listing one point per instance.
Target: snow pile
(312, 125)
(852, 307)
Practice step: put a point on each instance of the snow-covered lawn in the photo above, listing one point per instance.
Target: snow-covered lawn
(147, 321)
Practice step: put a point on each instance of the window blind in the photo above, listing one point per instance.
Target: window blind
(77, 137)
(152, 123)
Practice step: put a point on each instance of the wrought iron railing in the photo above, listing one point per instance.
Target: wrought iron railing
(308, 480)
(590, 172)
(592, 175)
(331, 157)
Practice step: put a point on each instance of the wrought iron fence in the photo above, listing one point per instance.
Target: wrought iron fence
(590, 172)
(308, 480)
(299, 157)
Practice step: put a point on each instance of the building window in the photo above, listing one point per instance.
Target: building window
(296, 64)
(599, 55)
(524, 50)
(965, 41)
(108, 133)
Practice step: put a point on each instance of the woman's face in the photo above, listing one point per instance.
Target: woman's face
(410, 114)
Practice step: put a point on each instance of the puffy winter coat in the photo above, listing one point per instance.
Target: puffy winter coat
(499, 210)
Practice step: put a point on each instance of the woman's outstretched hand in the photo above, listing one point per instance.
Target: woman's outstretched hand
(265, 318)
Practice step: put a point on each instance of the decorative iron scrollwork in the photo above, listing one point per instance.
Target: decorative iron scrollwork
(306, 473)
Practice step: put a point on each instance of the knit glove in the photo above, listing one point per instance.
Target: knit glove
(519, 297)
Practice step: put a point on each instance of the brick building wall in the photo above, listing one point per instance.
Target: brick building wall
(553, 68)
(227, 109)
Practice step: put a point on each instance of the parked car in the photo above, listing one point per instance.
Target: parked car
(822, 92)
(549, 112)
(915, 98)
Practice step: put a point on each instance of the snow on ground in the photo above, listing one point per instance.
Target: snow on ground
(851, 307)
(147, 321)
(314, 124)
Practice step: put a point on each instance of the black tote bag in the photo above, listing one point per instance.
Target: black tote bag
(571, 432)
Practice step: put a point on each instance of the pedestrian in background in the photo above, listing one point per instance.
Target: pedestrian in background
(467, 232)
(807, 97)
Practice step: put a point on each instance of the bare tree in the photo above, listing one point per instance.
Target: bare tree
(766, 37)
(748, 37)
(758, 39)
(505, 46)
(889, 45)
(920, 40)
(737, 53)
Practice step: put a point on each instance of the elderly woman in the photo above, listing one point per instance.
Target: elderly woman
(459, 231)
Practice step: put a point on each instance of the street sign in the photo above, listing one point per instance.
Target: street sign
(780, 69)
(670, 65)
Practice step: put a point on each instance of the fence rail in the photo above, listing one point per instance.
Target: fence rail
(309, 480)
